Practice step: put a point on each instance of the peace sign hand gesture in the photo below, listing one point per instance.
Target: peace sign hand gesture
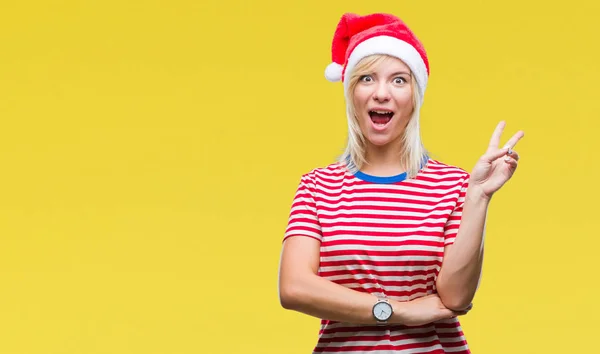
(496, 166)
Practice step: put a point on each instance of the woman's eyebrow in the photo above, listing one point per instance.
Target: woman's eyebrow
(401, 73)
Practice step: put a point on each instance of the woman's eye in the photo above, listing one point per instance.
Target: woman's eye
(366, 78)
(399, 80)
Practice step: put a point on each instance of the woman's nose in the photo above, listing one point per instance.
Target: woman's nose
(382, 93)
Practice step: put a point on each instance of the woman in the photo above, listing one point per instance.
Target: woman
(386, 245)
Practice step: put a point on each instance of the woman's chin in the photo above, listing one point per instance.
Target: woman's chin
(380, 140)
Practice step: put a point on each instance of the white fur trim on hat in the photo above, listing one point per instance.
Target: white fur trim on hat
(333, 72)
(394, 47)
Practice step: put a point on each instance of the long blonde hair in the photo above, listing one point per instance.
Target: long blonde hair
(413, 155)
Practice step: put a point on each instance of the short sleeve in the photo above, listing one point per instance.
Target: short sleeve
(303, 218)
(453, 223)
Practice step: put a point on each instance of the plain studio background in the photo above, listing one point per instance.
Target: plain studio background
(150, 151)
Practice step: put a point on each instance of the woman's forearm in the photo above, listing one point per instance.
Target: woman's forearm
(459, 275)
(321, 298)
(324, 299)
(302, 289)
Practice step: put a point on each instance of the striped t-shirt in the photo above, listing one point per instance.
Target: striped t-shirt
(384, 236)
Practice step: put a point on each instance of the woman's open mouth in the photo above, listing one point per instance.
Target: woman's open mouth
(381, 118)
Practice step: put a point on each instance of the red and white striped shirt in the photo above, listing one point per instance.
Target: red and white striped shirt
(384, 236)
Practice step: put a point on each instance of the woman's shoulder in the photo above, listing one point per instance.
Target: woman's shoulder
(331, 171)
(439, 168)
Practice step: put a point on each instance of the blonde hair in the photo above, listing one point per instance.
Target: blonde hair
(413, 155)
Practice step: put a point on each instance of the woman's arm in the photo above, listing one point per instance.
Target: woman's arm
(302, 289)
(459, 275)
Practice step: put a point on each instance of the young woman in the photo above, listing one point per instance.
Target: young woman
(385, 246)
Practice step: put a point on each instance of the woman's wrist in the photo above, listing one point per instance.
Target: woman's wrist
(477, 196)
(400, 309)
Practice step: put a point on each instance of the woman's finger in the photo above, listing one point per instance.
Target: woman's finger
(515, 139)
(493, 155)
(495, 139)
(512, 153)
(511, 161)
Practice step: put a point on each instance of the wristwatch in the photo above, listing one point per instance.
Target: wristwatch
(382, 311)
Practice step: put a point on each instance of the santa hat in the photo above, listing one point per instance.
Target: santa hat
(358, 36)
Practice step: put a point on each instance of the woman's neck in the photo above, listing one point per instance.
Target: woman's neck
(383, 161)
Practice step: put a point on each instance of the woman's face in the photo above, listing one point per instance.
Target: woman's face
(383, 102)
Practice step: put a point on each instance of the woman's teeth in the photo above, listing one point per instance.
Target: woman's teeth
(381, 118)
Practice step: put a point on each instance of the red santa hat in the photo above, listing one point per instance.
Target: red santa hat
(358, 36)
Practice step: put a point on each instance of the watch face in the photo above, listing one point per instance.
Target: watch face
(382, 311)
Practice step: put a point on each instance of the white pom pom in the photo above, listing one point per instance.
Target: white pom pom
(333, 72)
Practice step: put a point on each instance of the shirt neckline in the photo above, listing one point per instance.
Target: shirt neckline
(380, 180)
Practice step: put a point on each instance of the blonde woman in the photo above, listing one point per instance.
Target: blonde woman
(385, 246)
